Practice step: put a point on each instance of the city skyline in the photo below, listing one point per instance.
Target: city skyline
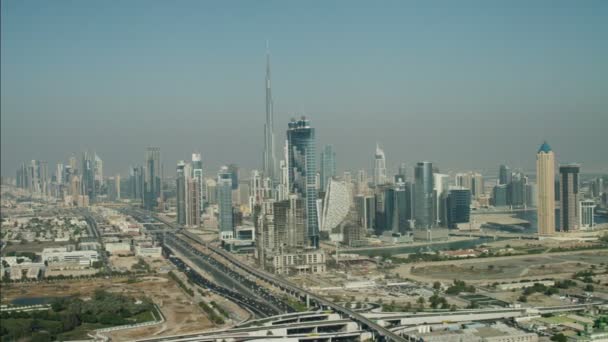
(505, 93)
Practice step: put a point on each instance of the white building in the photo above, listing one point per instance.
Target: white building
(61, 254)
(336, 205)
(586, 214)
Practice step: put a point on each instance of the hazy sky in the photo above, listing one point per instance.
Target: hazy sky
(465, 84)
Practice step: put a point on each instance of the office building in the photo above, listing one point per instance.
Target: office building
(472, 181)
(402, 212)
(569, 204)
(136, 183)
(193, 198)
(499, 195)
(328, 166)
(361, 185)
(516, 195)
(379, 167)
(587, 220)
(180, 180)
(458, 206)
(424, 201)
(152, 178)
(545, 176)
(302, 172)
(402, 173)
(336, 205)
(197, 173)
(88, 176)
(504, 175)
(270, 163)
(441, 184)
(224, 201)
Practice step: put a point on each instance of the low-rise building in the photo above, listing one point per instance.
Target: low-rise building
(61, 254)
(299, 262)
(118, 248)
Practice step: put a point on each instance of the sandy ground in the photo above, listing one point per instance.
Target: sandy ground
(182, 313)
(125, 262)
(487, 270)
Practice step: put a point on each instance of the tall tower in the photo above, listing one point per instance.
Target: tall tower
(569, 209)
(545, 175)
(269, 156)
(423, 195)
(197, 173)
(379, 167)
(224, 200)
(303, 172)
(328, 165)
(181, 192)
(152, 178)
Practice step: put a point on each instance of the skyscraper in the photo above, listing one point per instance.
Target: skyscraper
(152, 178)
(193, 197)
(88, 175)
(379, 167)
(328, 165)
(302, 172)
(586, 214)
(423, 195)
(569, 209)
(458, 206)
(224, 200)
(269, 156)
(180, 180)
(504, 175)
(545, 175)
(197, 173)
(441, 184)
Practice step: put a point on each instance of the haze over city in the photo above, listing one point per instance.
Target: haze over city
(350, 171)
(467, 85)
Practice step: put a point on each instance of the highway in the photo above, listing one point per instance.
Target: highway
(380, 332)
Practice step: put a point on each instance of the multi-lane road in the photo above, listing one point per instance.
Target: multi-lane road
(380, 333)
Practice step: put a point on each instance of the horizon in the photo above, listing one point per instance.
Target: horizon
(81, 77)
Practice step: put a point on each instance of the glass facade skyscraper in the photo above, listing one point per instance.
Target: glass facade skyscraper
(328, 165)
(152, 178)
(458, 206)
(423, 195)
(224, 200)
(181, 192)
(302, 172)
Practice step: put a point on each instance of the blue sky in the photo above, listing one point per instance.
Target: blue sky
(466, 84)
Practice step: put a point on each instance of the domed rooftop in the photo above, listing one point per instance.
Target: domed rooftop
(544, 148)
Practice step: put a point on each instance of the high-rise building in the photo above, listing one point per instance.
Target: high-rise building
(224, 201)
(403, 171)
(88, 176)
(458, 206)
(472, 181)
(336, 205)
(587, 220)
(516, 194)
(270, 163)
(98, 170)
(441, 183)
(569, 209)
(193, 197)
(545, 175)
(152, 178)
(424, 201)
(402, 212)
(136, 182)
(197, 173)
(499, 195)
(113, 184)
(302, 172)
(361, 185)
(504, 175)
(328, 165)
(180, 180)
(379, 167)
(59, 173)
